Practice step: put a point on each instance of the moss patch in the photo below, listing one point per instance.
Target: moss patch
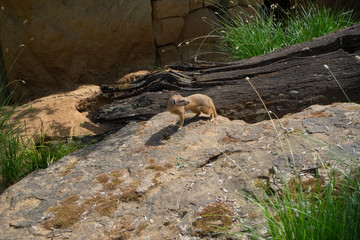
(140, 229)
(66, 214)
(156, 167)
(314, 187)
(130, 194)
(69, 168)
(106, 206)
(110, 182)
(318, 114)
(71, 210)
(228, 139)
(264, 183)
(122, 230)
(214, 219)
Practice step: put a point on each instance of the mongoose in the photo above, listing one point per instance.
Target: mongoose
(197, 103)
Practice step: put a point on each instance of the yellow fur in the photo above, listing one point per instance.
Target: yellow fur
(197, 103)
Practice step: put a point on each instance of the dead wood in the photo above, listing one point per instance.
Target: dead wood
(288, 80)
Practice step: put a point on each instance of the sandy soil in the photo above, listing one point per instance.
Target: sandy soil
(68, 114)
(57, 114)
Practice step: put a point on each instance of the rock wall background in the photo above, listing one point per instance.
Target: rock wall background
(68, 43)
(51, 46)
(62, 44)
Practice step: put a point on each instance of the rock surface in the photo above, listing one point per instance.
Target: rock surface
(194, 36)
(170, 8)
(153, 180)
(167, 30)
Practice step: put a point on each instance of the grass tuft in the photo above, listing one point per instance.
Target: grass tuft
(243, 39)
(311, 207)
(21, 154)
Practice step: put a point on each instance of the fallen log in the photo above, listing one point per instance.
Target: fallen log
(288, 80)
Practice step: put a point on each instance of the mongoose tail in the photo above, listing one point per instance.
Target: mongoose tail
(215, 113)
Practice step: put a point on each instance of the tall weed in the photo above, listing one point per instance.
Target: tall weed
(324, 207)
(12, 151)
(21, 154)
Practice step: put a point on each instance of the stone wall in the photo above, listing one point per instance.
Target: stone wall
(184, 32)
(65, 43)
(59, 44)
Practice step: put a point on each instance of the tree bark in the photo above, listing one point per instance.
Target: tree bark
(288, 80)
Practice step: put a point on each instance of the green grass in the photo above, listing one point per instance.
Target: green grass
(40, 154)
(312, 208)
(10, 153)
(257, 35)
(325, 211)
(20, 154)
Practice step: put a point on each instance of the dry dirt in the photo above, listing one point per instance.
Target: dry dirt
(68, 113)
(62, 114)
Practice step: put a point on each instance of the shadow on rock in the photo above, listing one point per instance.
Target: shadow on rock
(165, 133)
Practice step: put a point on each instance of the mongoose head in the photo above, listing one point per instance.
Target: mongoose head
(177, 100)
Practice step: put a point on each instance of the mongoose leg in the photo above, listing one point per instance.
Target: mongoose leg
(212, 116)
(182, 117)
(197, 114)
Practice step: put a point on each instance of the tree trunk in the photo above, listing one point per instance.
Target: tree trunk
(288, 80)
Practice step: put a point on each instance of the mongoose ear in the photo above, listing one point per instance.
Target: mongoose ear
(177, 94)
(173, 101)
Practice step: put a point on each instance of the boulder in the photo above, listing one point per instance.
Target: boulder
(153, 180)
(196, 36)
(167, 30)
(170, 8)
(59, 115)
(67, 43)
(196, 4)
(169, 55)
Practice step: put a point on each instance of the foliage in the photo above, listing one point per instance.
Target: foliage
(312, 208)
(245, 37)
(315, 213)
(11, 167)
(21, 154)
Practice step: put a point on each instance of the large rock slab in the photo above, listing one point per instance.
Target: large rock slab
(67, 43)
(151, 180)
